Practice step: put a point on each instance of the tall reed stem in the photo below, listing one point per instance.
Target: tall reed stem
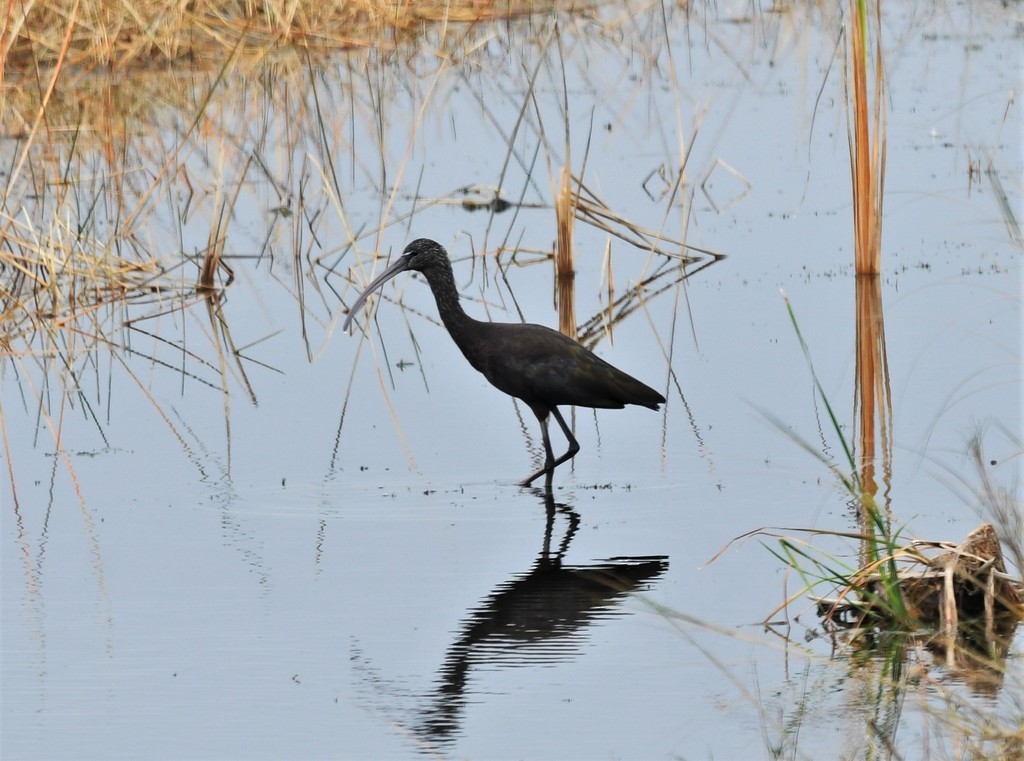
(565, 270)
(867, 139)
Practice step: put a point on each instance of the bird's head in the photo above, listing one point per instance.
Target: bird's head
(421, 255)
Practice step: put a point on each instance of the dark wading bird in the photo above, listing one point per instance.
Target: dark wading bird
(539, 365)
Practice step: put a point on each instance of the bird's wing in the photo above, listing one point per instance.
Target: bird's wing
(544, 367)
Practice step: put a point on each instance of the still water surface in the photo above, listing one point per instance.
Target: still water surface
(332, 560)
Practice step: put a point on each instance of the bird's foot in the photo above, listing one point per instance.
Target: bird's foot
(547, 472)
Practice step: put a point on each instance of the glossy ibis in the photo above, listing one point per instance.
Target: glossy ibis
(539, 365)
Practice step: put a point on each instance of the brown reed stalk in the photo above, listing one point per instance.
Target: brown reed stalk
(872, 401)
(867, 139)
(218, 235)
(565, 270)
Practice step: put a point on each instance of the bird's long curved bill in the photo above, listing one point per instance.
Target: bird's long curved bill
(399, 266)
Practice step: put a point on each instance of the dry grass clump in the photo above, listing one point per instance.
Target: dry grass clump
(147, 33)
(58, 280)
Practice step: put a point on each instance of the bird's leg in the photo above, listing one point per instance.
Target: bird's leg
(574, 446)
(549, 457)
(550, 463)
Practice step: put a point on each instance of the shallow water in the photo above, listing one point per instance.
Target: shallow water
(332, 560)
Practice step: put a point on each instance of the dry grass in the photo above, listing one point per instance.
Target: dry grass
(99, 68)
(62, 280)
(154, 33)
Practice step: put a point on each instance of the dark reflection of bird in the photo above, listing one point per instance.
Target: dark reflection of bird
(538, 365)
(533, 619)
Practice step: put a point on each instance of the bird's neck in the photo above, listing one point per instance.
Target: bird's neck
(455, 319)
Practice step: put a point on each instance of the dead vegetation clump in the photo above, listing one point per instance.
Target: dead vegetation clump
(150, 33)
(965, 582)
(55, 279)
